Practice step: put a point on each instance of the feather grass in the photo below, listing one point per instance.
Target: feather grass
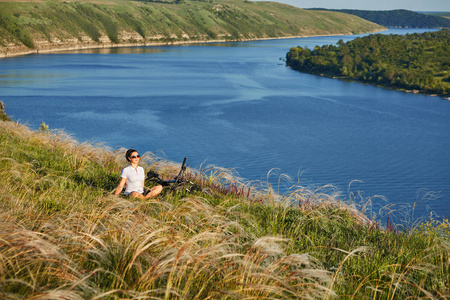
(64, 235)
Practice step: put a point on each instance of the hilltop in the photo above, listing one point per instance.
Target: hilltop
(63, 234)
(48, 25)
(398, 18)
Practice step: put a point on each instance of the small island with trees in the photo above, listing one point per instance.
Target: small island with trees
(416, 62)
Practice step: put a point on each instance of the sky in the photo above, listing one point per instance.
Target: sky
(414, 5)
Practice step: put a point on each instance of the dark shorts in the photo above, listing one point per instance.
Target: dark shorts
(129, 194)
(146, 191)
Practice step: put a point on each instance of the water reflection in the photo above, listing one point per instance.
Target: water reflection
(117, 50)
(22, 79)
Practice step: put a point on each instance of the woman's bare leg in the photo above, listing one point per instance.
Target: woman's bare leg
(155, 191)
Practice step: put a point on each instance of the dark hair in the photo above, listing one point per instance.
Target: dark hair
(128, 154)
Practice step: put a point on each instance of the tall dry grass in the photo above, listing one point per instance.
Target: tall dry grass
(64, 235)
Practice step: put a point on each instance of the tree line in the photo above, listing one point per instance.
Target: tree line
(397, 18)
(410, 62)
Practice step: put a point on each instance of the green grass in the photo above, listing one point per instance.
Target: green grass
(64, 233)
(50, 23)
(439, 14)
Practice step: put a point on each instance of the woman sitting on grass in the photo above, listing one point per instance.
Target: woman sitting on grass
(133, 176)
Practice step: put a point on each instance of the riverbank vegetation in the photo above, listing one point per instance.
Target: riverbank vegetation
(399, 18)
(412, 62)
(63, 234)
(48, 25)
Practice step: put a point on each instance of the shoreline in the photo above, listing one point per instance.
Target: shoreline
(416, 92)
(151, 44)
(192, 42)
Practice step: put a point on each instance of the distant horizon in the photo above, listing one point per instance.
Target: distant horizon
(418, 6)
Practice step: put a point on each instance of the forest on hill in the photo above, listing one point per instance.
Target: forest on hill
(409, 62)
(48, 25)
(398, 18)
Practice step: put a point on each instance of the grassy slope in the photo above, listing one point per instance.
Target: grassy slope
(398, 18)
(62, 232)
(440, 14)
(49, 23)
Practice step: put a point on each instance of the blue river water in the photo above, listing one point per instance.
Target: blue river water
(236, 105)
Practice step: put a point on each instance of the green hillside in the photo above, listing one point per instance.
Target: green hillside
(399, 18)
(64, 235)
(439, 14)
(50, 24)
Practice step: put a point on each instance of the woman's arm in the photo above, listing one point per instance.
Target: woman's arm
(119, 188)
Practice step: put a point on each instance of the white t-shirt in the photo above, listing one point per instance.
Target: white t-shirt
(135, 178)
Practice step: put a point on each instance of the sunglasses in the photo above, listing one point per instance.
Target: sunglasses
(135, 156)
